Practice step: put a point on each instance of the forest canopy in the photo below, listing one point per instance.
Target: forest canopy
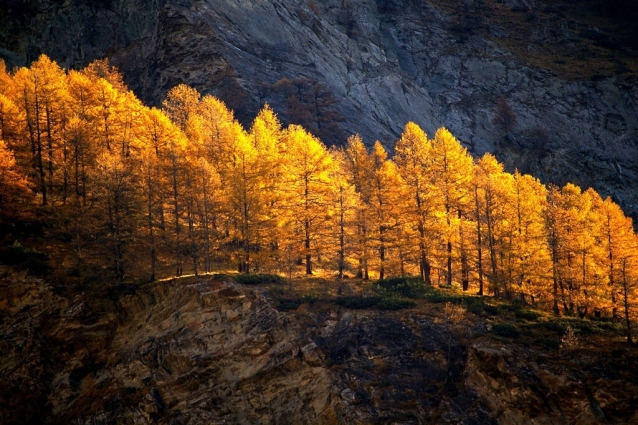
(132, 193)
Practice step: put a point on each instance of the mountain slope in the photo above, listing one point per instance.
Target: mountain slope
(567, 69)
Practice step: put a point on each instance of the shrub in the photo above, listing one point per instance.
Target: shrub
(439, 297)
(408, 287)
(358, 303)
(513, 307)
(607, 326)
(569, 340)
(25, 258)
(506, 330)
(394, 304)
(554, 326)
(527, 315)
(256, 279)
(478, 306)
(490, 309)
(309, 299)
(287, 304)
(548, 343)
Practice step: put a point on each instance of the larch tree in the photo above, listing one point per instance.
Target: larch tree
(117, 212)
(52, 95)
(554, 234)
(628, 285)
(451, 173)
(267, 138)
(176, 166)
(15, 193)
(344, 201)
(245, 201)
(490, 205)
(530, 257)
(615, 236)
(154, 135)
(27, 88)
(217, 128)
(10, 118)
(312, 105)
(127, 183)
(359, 167)
(102, 69)
(504, 116)
(180, 104)
(386, 201)
(307, 175)
(412, 155)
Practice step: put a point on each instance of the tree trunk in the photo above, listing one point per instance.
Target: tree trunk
(178, 248)
(625, 287)
(307, 247)
(341, 238)
(151, 234)
(479, 244)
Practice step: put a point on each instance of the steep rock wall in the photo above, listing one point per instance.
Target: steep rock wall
(202, 350)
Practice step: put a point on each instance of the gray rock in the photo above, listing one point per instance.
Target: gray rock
(386, 63)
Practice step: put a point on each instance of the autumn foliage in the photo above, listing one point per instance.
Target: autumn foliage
(141, 192)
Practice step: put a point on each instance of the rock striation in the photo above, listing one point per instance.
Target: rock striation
(200, 350)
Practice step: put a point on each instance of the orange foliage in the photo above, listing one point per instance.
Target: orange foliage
(187, 187)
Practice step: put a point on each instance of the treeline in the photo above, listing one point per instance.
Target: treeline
(138, 190)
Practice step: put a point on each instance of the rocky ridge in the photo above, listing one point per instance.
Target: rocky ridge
(202, 350)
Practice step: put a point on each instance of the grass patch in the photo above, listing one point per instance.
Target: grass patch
(288, 304)
(475, 305)
(551, 326)
(438, 297)
(478, 306)
(394, 304)
(506, 330)
(583, 327)
(309, 299)
(406, 287)
(358, 303)
(527, 315)
(256, 279)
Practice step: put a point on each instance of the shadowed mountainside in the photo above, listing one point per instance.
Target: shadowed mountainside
(568, 69)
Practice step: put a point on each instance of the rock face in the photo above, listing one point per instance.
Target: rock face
(523, 387)
(208, 352)
(198, 350)
(385, 62)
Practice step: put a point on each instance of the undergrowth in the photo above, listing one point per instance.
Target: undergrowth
(25, 258)
(253, 279)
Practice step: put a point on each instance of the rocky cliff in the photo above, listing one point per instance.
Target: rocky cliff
(567, 70)
(203, 350)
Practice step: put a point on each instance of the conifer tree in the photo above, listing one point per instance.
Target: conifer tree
(386, 201)
(490, 198)
(344, 201)
(412, 155)
(15, 194)
(451, 173)
(117, 207)
(359, 166)
(307, 172)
